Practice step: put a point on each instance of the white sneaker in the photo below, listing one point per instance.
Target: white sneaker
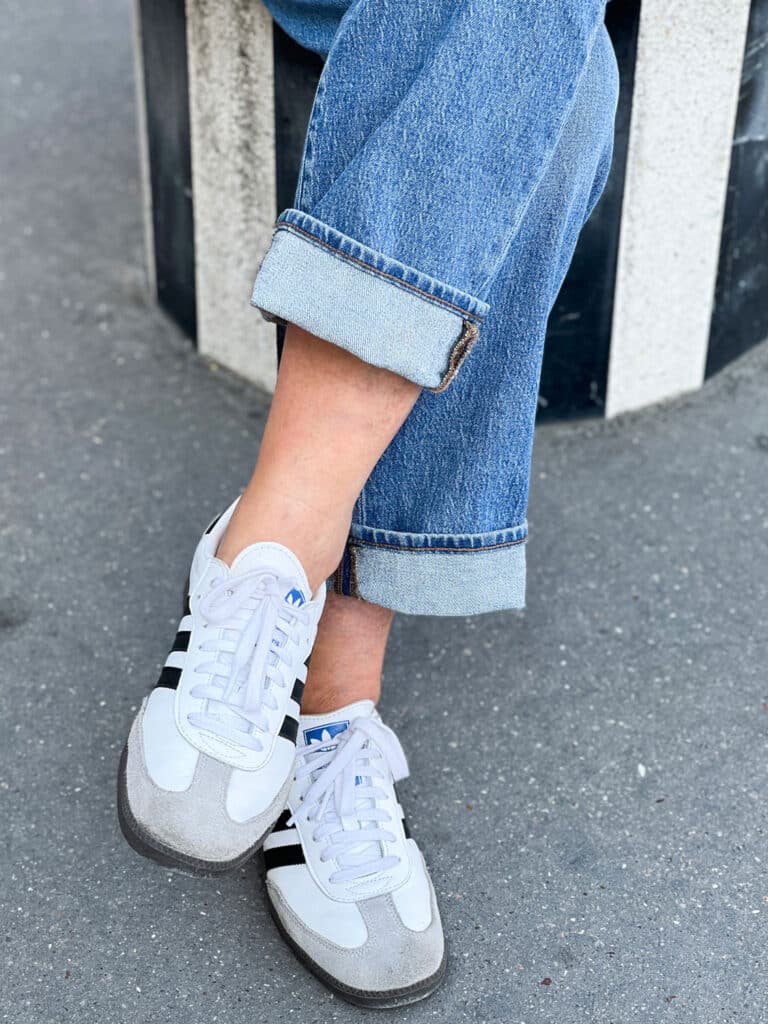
(209, 759)
(348, 888)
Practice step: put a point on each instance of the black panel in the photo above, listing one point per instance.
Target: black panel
(164, 48)
(282, 856)
(181, 641)
(297, 72)
(289, 730)
(169, 678)
(575, 370)
(740, 317)
(282, 822)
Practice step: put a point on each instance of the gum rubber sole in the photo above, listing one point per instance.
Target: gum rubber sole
(360, 997)
(148, 846)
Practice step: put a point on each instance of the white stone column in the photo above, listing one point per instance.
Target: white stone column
(231, 87)
(689, 62)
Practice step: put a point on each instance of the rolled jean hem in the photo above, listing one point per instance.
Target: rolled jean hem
(382, 311)
(465, 575)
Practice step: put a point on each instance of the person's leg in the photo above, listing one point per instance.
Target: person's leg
(450, 437)
(446, 501)
(348, 655)
(374, 191)
(440, 527)
(331, 417)
(349, 650)
(475, 434)
(433, 128)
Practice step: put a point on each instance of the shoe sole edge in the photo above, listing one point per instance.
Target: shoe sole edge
(386, 1000)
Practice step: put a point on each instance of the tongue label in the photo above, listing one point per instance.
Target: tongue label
(295, 597)
(325, 733)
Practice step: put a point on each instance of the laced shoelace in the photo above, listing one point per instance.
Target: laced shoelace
(251, 612)
(341, 800)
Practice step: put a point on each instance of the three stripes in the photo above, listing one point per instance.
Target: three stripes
(171, 672)
(283, 846)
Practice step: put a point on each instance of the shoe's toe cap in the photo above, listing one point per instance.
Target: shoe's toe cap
(395, 964)
(189, 825)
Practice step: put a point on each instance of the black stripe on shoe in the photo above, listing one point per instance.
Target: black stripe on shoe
(186, 609)
(181, 641)
(169, 677)
(212, 524)
(406, 827)
(289, 730)
(298, 691)
(282, 856)
(282, 822)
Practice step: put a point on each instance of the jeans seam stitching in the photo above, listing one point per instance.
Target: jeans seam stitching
(338, 578)
(466, 341)
(357, 542)
(282, 225)
(354, 590)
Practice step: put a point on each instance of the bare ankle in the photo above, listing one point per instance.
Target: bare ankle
(317, 538)
(320, 700)
(332, 416)
(347, 659)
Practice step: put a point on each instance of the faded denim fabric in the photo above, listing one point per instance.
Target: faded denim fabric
(454, 151)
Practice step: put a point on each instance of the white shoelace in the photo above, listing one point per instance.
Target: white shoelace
(342, 797)
(254, 619)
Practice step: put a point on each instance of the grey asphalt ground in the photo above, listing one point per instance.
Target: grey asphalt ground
(588, 778)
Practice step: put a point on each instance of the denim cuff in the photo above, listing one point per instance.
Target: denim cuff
(430, 574)
(382, 311)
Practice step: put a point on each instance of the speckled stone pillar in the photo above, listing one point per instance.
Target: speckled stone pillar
(688, 71)
(229, 44)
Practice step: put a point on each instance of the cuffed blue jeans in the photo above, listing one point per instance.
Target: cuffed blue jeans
(454, 151)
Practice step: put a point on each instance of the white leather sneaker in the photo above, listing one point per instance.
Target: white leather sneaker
(209, 759)
(348, 887)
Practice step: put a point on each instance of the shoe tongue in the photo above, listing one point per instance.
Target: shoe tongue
(325, 727)
(330, 724)
(277, 559)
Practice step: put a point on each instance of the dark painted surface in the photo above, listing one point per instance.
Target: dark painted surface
(167, 96)
(575, 370)
(740, 317)
(297, 72)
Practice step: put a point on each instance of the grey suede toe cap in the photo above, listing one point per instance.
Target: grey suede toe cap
(394, 958)
(193, 824)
